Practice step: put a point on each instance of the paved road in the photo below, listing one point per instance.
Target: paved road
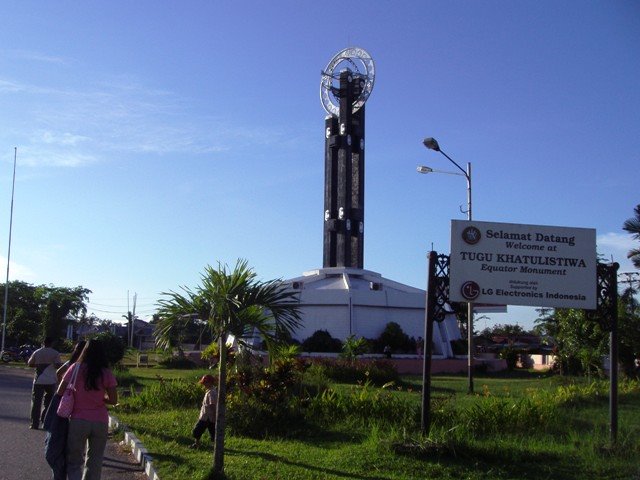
(22, 450)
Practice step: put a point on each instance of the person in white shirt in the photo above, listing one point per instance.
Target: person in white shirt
(45, 360)
(207, 418)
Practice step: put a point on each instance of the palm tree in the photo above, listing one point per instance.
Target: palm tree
(232, 302)
(353, 347)
(632, 225)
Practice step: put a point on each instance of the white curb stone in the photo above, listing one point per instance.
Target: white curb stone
(140, 453)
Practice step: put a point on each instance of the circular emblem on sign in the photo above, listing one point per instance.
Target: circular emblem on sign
(470, 290)
(360, 64)
(471, 235)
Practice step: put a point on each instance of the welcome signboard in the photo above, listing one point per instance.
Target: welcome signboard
(514, 264)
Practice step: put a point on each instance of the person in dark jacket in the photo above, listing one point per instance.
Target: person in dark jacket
(55, 442)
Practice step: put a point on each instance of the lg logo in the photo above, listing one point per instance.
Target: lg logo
(470, 290)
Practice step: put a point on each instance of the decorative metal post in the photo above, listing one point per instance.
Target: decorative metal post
(606, 314)
(437, 296)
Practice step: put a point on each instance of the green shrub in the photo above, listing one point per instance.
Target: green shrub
(253, 417)
(539, 411)
(511, 356)
(378, 372)
(315, 380)
(124, 376)
(179, 363)
(593, 392)
(353, 347)
(286, 351)
(210, 353)
(65, 345)
(394, 337)
(113, 345)
(489, 415)
(264, 401)
(322, 341)
(164, 394)
(364, 404)
(459, 346)
(493, 415)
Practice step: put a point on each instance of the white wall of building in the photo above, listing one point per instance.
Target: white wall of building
(347, 301)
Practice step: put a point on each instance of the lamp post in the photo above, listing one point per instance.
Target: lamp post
(432, 144)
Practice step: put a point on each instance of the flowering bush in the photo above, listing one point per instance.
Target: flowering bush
(268, 400)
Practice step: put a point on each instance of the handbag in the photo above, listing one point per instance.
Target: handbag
(68, 397)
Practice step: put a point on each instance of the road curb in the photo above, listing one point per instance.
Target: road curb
(140, 453)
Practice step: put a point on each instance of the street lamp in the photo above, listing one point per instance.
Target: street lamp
(432, 144)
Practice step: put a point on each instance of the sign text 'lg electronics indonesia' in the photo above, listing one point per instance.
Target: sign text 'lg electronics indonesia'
(513, 264)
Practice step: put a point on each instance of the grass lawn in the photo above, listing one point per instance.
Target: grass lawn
(574, 446)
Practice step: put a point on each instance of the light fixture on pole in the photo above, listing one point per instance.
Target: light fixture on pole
(432, 144)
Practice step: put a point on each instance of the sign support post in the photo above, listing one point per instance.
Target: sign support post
(437, 296)
(606, 314)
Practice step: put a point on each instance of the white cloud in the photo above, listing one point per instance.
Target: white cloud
(616, 241)
(16, 271)
(66, 127)
(7, 86)
(33, 56)
(62, 139)
(39, 155)
(616, 246)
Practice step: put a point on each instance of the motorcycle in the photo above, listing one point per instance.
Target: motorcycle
(17, 354)
(11, 354)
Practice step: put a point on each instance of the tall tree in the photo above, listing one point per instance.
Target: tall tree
(34, 312)
(57, 303)
(24, 318)
(544, 325)
(505, 330)
(629, 326)
(232, 302)
(581, 342)
(632, 226)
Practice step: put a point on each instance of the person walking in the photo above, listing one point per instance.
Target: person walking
(207, 417)
(95, 387)
(55, 441)
(45, 360)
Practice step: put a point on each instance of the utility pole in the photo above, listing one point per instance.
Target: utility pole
(6, 285)
(133, 319)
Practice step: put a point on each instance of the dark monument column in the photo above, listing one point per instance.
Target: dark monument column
(344, 176)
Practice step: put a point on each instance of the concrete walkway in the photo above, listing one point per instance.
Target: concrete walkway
(22, 449)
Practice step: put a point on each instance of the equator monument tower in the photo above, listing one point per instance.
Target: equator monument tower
(342, 297)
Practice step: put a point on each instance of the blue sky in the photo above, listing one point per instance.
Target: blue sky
(155, 138)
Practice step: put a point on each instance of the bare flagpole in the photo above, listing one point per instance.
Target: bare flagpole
(6, 284)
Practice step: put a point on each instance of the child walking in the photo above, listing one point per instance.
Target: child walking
(207, 418)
